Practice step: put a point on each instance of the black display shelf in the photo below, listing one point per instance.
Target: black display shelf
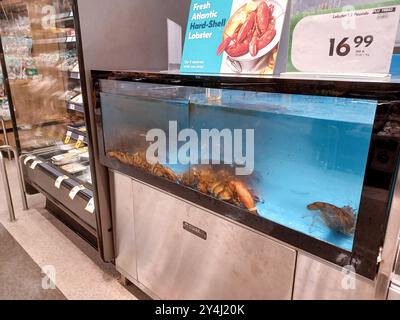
(359, 88)
(28, 127)
(65, 17)
(76, 107)
(47, 155)
(74, 75)
(62, 40)
(381, 174)
(43, 178)
(76, 134)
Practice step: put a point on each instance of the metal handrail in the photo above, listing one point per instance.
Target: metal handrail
(4, 129)
(6, 182)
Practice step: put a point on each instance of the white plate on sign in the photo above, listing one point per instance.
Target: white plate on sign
(279, 14)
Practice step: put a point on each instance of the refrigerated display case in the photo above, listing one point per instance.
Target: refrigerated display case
(48, 103)
(317, 159)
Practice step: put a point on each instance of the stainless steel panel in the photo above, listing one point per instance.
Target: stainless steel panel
(124, 235)
(233, 263)
(316, 280)
(390, 246)
(394, 293)
(396, 273)
(397, 265)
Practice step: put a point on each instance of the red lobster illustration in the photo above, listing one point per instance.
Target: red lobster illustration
(253, 35)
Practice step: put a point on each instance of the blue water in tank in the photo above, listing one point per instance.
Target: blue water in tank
(306, 148)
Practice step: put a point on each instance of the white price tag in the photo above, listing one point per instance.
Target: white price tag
(29, 158)
(35, 163)
(72, 106)
(90, 206)
(356, 42)
(59, 181)
(75, 191)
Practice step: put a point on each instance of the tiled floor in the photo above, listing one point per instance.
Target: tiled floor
(20, 277)
(80, 274)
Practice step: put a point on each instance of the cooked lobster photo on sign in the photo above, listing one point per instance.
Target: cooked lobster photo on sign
(252, 34)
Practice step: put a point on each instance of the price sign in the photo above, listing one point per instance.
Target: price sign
(68, 137)
(90, 206)
(75, 191)
(79, 142)
(72, 107)
(29, 158)
(59, 181)
(356, 41)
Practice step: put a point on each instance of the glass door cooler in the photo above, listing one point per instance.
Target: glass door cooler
(43, 67)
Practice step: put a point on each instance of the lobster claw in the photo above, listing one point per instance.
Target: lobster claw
(247, 27)
(238, 49)
(224, 44)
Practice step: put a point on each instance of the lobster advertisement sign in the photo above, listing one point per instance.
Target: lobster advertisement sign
(233, 36)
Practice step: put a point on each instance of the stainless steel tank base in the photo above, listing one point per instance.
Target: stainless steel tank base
(179, 251)
(173, 249)
(319, 280)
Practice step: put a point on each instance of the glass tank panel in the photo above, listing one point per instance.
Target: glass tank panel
(296, 160)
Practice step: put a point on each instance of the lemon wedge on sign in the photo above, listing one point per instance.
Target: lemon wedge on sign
(251, 6)
(235, 22)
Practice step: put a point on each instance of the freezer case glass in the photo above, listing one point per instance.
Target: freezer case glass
(296, 160)
(41, 57)
(41, 50)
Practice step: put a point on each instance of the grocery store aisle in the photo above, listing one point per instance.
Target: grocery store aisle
(20, 277)
(38, 240)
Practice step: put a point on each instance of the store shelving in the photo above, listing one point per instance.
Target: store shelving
(74, 75)
(47, 99)
(54, 41)
(77, 134)
(76, 107)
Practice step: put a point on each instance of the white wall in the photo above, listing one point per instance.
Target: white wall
(128, 34)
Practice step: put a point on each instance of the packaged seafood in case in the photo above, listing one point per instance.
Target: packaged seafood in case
(71, 156)
(74, 168)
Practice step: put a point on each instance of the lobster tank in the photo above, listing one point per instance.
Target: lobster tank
(305, 167)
